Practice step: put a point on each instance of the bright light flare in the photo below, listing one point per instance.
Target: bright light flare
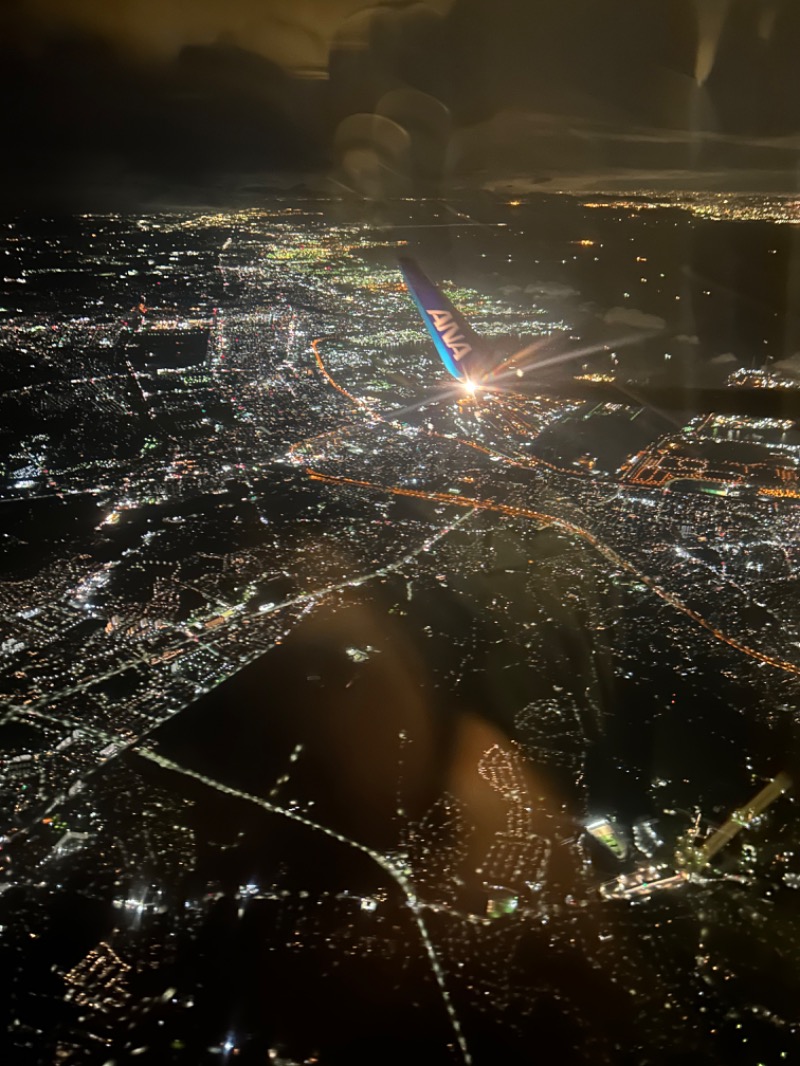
(711, 17)
(570, 356)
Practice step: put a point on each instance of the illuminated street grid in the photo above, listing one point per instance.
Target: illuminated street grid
(719, 206)
(228, 423)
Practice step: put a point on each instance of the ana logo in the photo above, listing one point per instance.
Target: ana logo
(447, 328)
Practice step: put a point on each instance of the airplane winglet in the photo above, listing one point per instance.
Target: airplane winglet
(457, 344)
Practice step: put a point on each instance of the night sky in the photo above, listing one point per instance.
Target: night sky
(159, 99)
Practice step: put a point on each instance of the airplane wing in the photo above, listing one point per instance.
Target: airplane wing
(459, 347)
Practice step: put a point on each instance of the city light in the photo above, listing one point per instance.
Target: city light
(322, 660)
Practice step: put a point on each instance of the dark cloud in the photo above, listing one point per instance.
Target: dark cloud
(160, 98)
(93, 116)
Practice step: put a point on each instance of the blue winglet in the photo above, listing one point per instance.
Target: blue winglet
(458, 345)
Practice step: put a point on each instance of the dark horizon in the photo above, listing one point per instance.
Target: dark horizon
(145, 103)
